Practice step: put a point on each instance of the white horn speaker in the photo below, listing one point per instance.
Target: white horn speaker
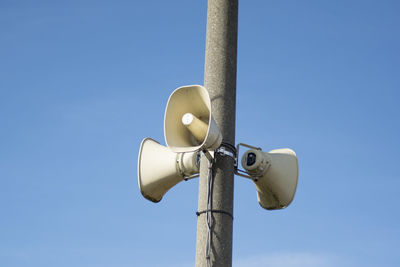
(275, 175)
(159, 169)
(188, 123)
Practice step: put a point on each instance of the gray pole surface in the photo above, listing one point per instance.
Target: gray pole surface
(220, 81)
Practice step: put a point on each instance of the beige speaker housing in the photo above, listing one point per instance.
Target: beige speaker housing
(193, 99)
(159, 169)
(275, 175)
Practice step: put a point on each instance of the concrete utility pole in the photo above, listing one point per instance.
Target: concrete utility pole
(220, 81)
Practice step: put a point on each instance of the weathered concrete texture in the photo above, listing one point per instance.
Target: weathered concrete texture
(220, 81)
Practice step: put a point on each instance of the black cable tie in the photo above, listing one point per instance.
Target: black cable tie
(216, 211)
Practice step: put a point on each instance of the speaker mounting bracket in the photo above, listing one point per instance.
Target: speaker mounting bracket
(243, 173)
(190, 177)
(208, 155)
(181, 168)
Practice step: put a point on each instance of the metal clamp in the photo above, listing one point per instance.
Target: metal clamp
(227, 150)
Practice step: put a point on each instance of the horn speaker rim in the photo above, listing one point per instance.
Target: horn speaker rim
(177, 137)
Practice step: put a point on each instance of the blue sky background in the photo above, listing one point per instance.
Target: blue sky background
(83, 82)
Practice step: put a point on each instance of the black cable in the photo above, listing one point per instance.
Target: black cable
(209, 212)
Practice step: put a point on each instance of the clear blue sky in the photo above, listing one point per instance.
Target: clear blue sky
(83, 82)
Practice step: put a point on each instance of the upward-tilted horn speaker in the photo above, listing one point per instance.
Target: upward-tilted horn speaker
(275, 175)
(188, 123)
(159, 169)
